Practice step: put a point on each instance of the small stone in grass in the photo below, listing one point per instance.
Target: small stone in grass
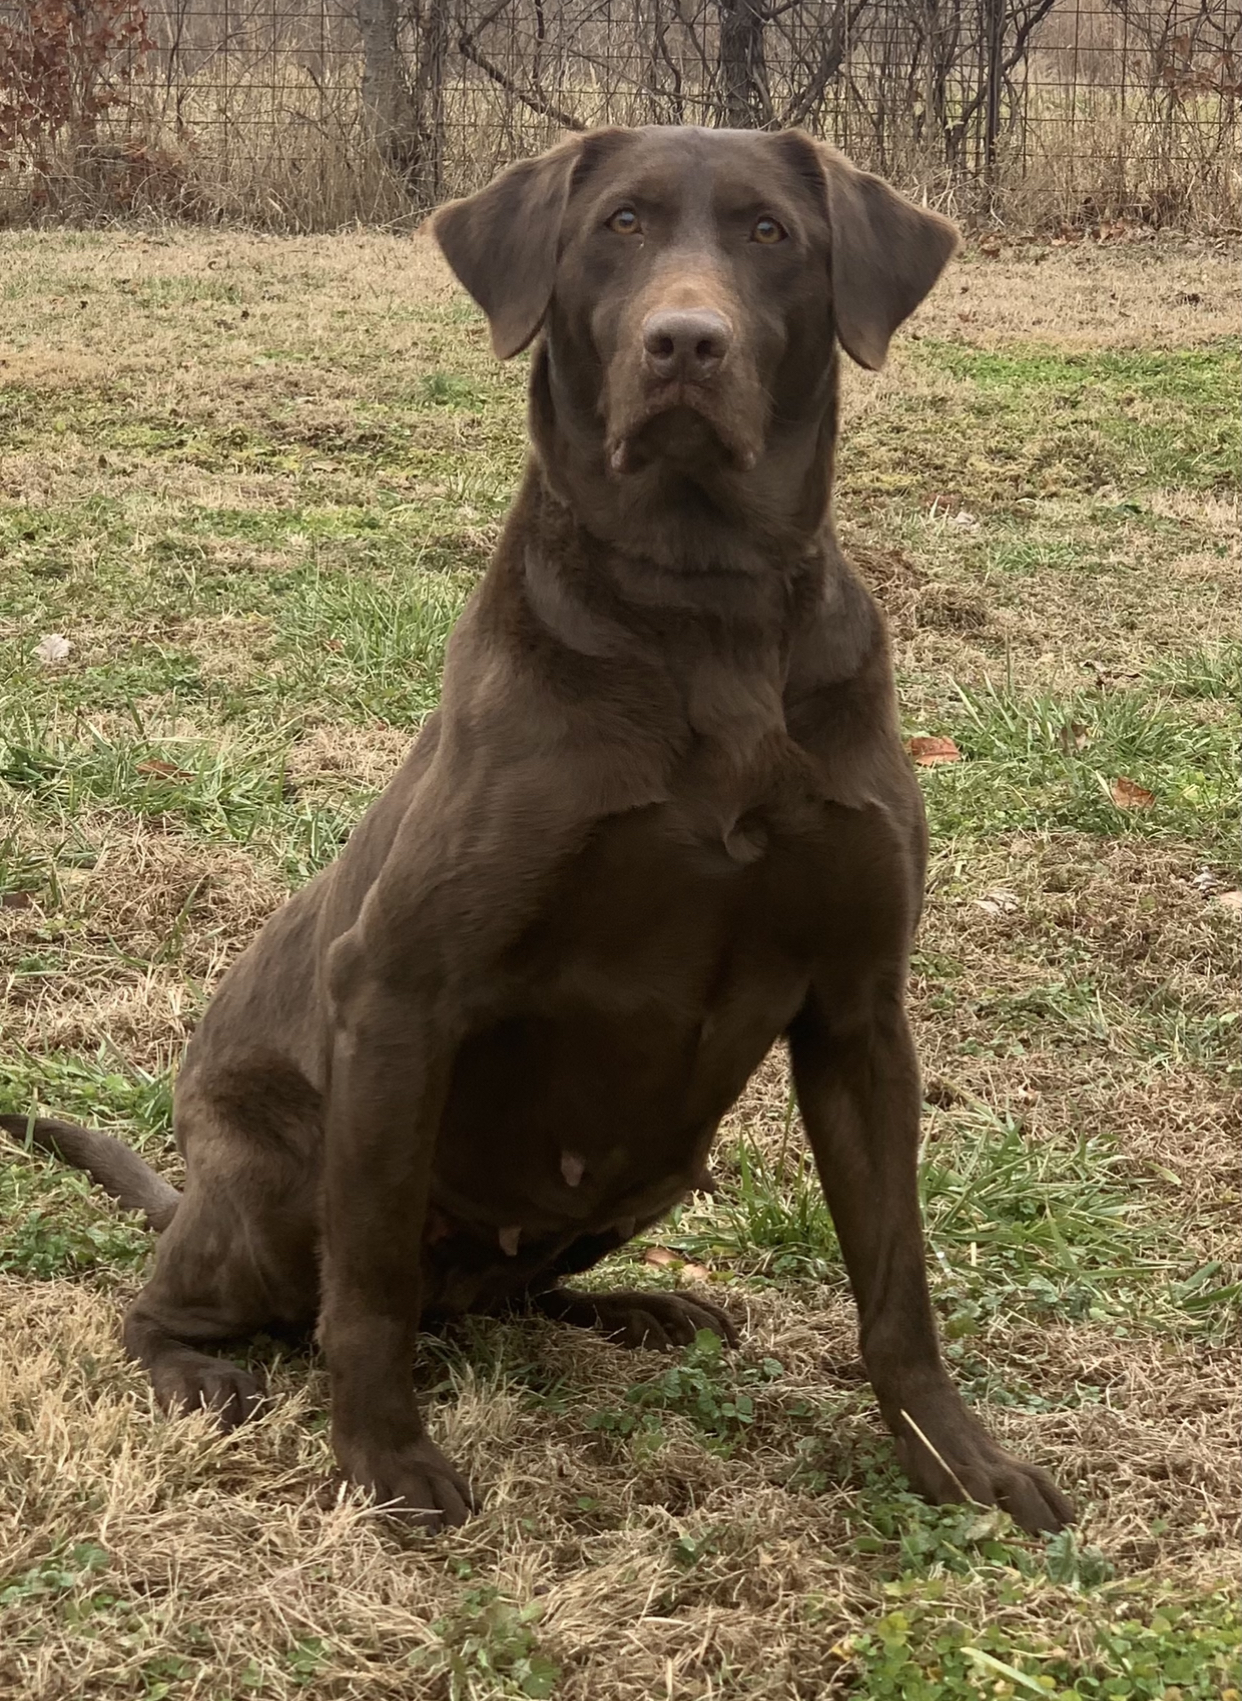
(53, 648)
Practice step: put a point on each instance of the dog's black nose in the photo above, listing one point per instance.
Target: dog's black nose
(686, 343)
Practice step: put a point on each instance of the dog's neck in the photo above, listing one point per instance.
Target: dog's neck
(712, 656)
(708, 524)
(726, 611)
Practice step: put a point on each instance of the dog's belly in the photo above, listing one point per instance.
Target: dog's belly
(630, 1021)
(566, 1132)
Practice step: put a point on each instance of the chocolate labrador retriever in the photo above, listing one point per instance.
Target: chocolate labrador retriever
(661, 820)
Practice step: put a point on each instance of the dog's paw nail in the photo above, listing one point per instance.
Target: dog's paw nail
(509, 1238)
(573, 1168)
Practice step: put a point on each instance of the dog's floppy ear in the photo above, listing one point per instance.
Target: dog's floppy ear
(504, 242)
(886, 255)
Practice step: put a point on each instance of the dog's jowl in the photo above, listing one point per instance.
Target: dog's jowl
(661, 820)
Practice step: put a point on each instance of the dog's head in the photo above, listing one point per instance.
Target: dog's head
(691, 283)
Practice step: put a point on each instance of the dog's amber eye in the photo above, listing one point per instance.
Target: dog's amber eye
(625, 222)
(768, 231)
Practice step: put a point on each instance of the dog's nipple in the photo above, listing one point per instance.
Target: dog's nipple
(573, 1168)
(509, 1238)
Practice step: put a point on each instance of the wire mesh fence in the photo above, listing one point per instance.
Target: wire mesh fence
(305, 114)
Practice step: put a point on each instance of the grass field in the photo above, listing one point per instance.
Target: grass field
(248, 482)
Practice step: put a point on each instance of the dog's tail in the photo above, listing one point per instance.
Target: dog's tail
(119, 1171)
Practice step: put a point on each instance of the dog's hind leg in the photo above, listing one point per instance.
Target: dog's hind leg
(238, 1257)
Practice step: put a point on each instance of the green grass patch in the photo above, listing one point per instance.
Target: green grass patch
(713, 1392)
(1017, 1227)
(1034, 422)
(1033, 763)
(1160, 1646)
(102, 1091)
(372, 647)
(54, 1222)
(1156, 416)
(236, 793)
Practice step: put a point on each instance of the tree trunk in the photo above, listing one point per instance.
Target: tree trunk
(427, 181)
(746, 103)
(387, 98)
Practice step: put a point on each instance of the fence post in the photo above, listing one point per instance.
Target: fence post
(995, 82)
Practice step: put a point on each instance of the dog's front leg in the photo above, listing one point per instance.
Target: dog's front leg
(390, 1062)
(469, 867)
(858, 1089)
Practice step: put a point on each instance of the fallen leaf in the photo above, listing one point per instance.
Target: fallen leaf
(16, 900)
(695, 1273)
(660, 1255)
(999, 902)
(1127, 794)
(53, 648)
(1073, 736)
(986, 1525)
(163, 770)
(1230, 900)
(927, 752)
(965, 520)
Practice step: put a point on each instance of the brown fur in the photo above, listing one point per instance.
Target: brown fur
(661, 819)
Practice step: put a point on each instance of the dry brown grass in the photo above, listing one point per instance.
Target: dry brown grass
(225, 1539)
(1151, 291)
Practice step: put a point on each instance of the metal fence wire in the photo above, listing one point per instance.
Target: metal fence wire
(305, 114)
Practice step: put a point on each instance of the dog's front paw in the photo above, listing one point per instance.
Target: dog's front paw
(958, 1460)
(415, 1481)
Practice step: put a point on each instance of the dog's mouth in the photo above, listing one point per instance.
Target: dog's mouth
(680, 429)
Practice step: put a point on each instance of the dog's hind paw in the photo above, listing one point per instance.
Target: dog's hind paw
(197, 1382)
(638, 1318)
